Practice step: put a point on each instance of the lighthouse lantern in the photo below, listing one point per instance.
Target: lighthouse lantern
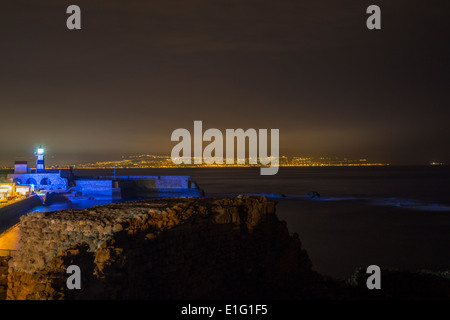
(40, 166)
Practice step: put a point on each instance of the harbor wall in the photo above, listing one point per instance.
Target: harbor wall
(10, 214)
(98, 189)
(176, 182)
(132, 187)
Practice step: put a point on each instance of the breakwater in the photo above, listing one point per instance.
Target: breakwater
(10, 214)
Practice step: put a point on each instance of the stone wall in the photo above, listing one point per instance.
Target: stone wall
(10, 214)
(53, 181)
(134, 187)
(98, 189)
(177, 182)
(162, 249)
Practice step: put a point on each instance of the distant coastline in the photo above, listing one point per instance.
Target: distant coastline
(149, 161)
(158, 161)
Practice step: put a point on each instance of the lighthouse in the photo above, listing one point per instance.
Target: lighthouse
(40, 166)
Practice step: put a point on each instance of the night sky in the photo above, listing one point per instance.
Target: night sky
(140, 69)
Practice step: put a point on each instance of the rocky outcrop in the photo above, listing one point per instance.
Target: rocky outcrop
(180, 248)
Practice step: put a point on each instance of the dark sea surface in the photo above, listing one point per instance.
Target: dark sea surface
(426, 183)
(395, 217)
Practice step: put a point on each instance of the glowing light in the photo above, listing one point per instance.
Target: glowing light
(23, 190)
(40, 151)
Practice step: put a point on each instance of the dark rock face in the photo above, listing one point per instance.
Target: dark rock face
(163, 249)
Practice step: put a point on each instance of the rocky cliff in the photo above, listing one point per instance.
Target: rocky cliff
(180, 248)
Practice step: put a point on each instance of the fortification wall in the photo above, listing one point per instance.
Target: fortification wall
(51, 181)
(98, 189)
(132, 187)
(161, 249)
(176, 182)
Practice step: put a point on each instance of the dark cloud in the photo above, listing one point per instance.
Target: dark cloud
(140, 69)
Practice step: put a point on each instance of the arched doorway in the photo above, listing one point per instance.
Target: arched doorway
(17, 181)
(45, 182)
(31, 181)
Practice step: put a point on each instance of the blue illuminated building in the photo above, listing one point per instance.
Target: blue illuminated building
(64, 183)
